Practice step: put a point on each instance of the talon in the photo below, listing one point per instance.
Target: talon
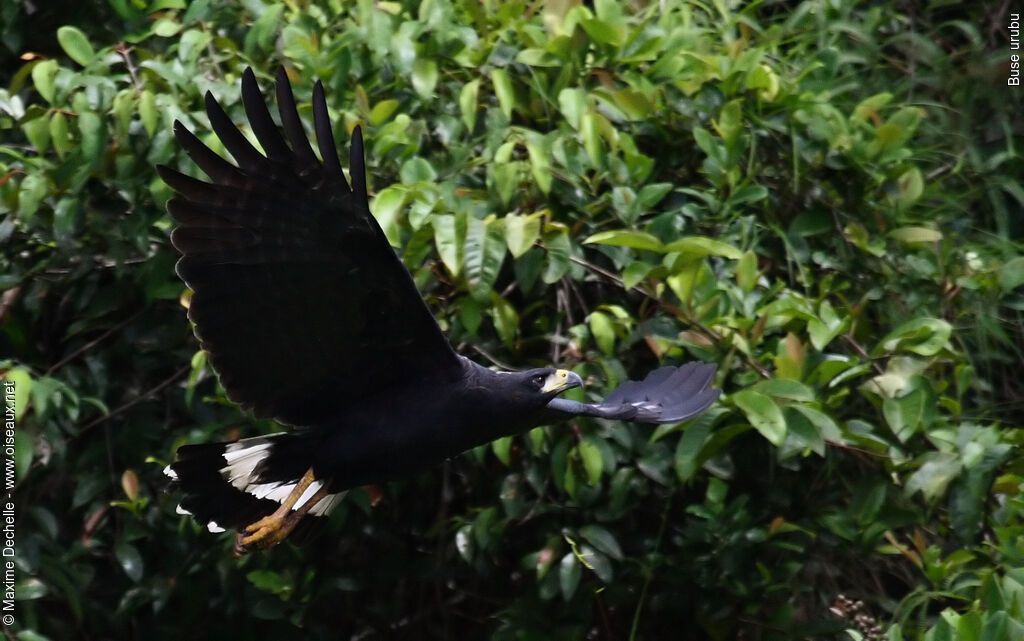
(274, 528)
(266, 533)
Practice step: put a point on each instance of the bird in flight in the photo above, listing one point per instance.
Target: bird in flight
(310, 318)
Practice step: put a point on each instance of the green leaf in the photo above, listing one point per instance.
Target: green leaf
(593, 462)
(716, 492)
(166, 27)
(651, 195)
(730, 121)
(803, 431)
(30, 589)
(382, 111)
(682, 282)
(824, 122)
(521, 232)
(464, 542)
(424, 77)
(601, 32)
(748, 194)
(912, 235)
(502, 449)
(1011, 274)
(911, 186)
(468, 100)
(537, 439)
(904, 414)
(19, 382)
(746, 271)
(506, 180)
(506, 320)
(483, 252)
(634, 273)
(260, 36)
(59, 134)
(764, 78)
(764, 414)
(503, 91)
(626, 238)
(969, 627)
(416, 170)
(538, 58)
(37, 131)
(44, 76)
(129, 559)
(24, 451)
(64, 215)
(74, 43)
(160, 5)
(470, 314)
(703, 246)
(708, 145)
(483, 528)
(602, 540)
(558, 251)
(608, 10)
(822, 422)
(271, 581)
(633, 104)
(934, 475)
(896, 131)
(148, 112)
(32, 190)
(603, 330)
(540, 164)
(573, 104)
(386, 206)
(92, 132)
(868, 108)
(924, 336)
(447, 241)
(569, 575)
(123, 109)
(826, 326)
(784, 388)
(691, 446)
(624, 204)
(597, 562)
(592, 139)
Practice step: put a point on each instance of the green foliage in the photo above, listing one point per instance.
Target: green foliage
(816, 196)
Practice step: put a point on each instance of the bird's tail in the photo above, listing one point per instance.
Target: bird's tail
(230, 485)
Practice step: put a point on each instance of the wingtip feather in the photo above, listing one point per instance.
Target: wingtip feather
(259, 118)
(291, 122)
(691, 407)
(357, 163)
(324, 133)
(669, 394)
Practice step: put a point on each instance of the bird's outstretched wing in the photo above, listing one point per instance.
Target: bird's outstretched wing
(666, 395)
(299, 300)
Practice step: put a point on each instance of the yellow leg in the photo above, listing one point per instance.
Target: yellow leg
(271, 530)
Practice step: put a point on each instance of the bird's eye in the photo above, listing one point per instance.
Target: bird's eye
(538, 380)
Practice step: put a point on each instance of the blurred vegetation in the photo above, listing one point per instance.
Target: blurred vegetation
(823, 197)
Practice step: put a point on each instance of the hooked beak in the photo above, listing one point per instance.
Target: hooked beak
(560, 381)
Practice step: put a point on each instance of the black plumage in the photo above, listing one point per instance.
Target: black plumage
(310, 318)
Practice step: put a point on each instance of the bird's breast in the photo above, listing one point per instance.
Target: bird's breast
(390, 436)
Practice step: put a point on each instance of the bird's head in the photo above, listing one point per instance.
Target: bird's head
(545, 383)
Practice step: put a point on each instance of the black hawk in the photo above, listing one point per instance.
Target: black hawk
(310, 318)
